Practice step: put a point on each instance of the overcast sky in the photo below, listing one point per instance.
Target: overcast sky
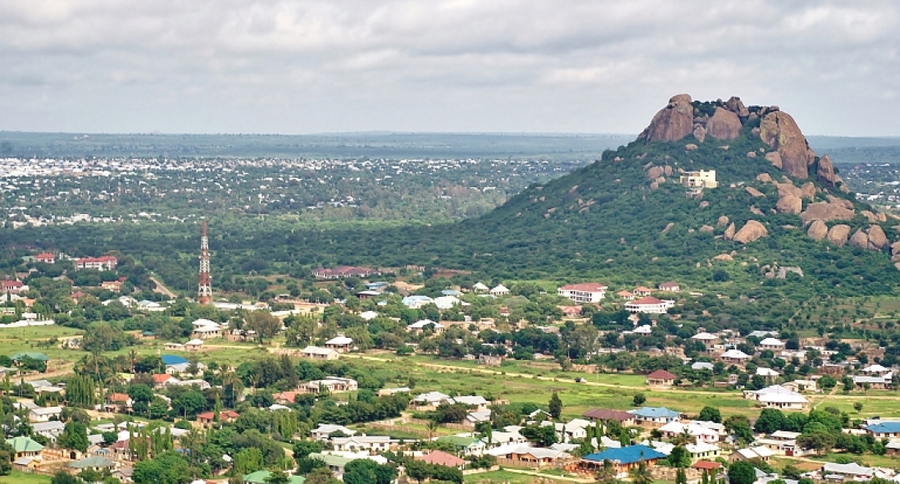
(240, 66)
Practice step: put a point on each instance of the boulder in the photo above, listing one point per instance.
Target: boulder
(779, 130)
(825, 212)
(895, 251)
(729, 232)
(723, 257)
(837, 235)
(668, 170)
(763, 177)
(881, 217)
(751, 154)
(668, 227)
(877, 238)
(859, 239)
(755, 210)
(735, 105)
(841, 201)
(817, 230)
(789, 204)
(671, 123)
(723, 125)
(869, 216)
(704, 204)
(754, 192)
(723, 221)
(808, 191)
(750, 232)
(825, 172)
(706, 229)
(788, 188)
(655, 172)
(774, 158)
(700, 133)
(690, 147)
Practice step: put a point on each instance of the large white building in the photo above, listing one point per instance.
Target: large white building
(649, 305)
(699, 179)
(585, 293)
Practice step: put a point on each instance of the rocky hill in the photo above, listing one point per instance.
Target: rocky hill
(777, 204)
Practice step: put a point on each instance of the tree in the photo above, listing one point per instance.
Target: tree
(321, 475)
(302, 448)
(263, 323)
(858, 406)
(277, 476)
(641, 474)
(638, 400)
(770, 420)
(741, 472)
(62, 477)
(739, 426)
(710, 414)
(680, 476)
(556, 406)
(607, 473)
(365, 471)
(74, 436)
(6, 458)
(679, 457)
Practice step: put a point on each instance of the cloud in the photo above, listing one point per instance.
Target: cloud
(452, 65)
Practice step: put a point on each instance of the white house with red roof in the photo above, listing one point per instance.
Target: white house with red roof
(104, 263)
(670, 286)
(649, 305)
(585, 293)
(45, 257)
(13, 287)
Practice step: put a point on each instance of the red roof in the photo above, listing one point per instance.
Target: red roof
(105, 258)
(161, 378)
(649, 300)
(119, 397)
(441, 458)
(604, 414)
(44, 255)
(223, 415)
(706, 465)
(661, 375)
(669, 284)
(586, 287)
(10, 283)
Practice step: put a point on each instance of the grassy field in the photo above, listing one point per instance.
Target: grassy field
(16, 477)
(507, 477)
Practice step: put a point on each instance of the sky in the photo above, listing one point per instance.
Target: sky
(549, 66)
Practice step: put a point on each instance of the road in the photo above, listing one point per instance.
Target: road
(160, 288)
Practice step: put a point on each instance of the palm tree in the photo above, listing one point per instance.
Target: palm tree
(132, 357)
(190, 442)
(432, 426)
(641, 473)
(683, 438)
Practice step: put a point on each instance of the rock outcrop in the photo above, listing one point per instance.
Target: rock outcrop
(859, 239)
(763, 178)
(673, 122)
(706, 229)
(750, 232)
(723, 221)
(869, 216)
(754, 192)
(825, 172)
(775, 159)
(723, 125)
(837, 235)
(817, 230)
(779, 130)
(729, 232)
(723, 257)
(877, 238)
(699, 133)
(789, 204)
(735, 105)
(826, 211)
(808, 191)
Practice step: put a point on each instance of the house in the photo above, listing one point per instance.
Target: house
(43, 414)
(463, 444)
(25, 447)
(341, 344)
(708, 467)
(116, 401)
(767, 372)
(771, 344)
(12, 287)
(701, 431)
(892, 448)
(698, 180)
(602, 415)
(45, 257)
(475, 402)
(448, 302)
(777, 396)
(882, 382)
(703, 450)
(649, 305)
(624, 458)
(174, 346)
(499, 290)
(585, 293)
(392, 391)
(705, 338)
(653, 417)
(537, 456)
(319, 353)
(490, 360)
(331, 384)
(368, 315)
(335, 463)
(626, 295)
(344, 271)
(642, 291)
(97, 463)
(206, 329)
(261, 477)
(194, 345)
(703, 365)
(325, 430)
(421, 325)
(752, 453)
(364, 443)
(850, 472)
(782, 442)
(430, 400)
(50, 430)
(416, 301)
(112, 286)
(104, 263)
(875, 369)
(661, 378)
(207, 419)
(480, 288)
(442, 458)
(161, 379)
(670, 286)
(884, 430)
(734, 357)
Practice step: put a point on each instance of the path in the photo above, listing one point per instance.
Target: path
(548, 476)
(160, 288)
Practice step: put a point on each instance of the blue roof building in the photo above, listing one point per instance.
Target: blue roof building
(655, 416)
(884, 429)
(626, 457)
(169, 360)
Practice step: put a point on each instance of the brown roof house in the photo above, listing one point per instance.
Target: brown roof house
(661, 378)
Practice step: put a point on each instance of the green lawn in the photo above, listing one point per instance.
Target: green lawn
(16, 477)
(501, 476)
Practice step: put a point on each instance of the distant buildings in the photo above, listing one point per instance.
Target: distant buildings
(698, 180)
(339, 272)
(585, 293)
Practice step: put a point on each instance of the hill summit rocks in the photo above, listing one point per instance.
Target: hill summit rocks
(683, 117)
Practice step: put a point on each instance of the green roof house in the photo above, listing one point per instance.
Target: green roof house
(98, 463)
(466, 445)
(25, 447)
(34, 355)
(259, 477)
